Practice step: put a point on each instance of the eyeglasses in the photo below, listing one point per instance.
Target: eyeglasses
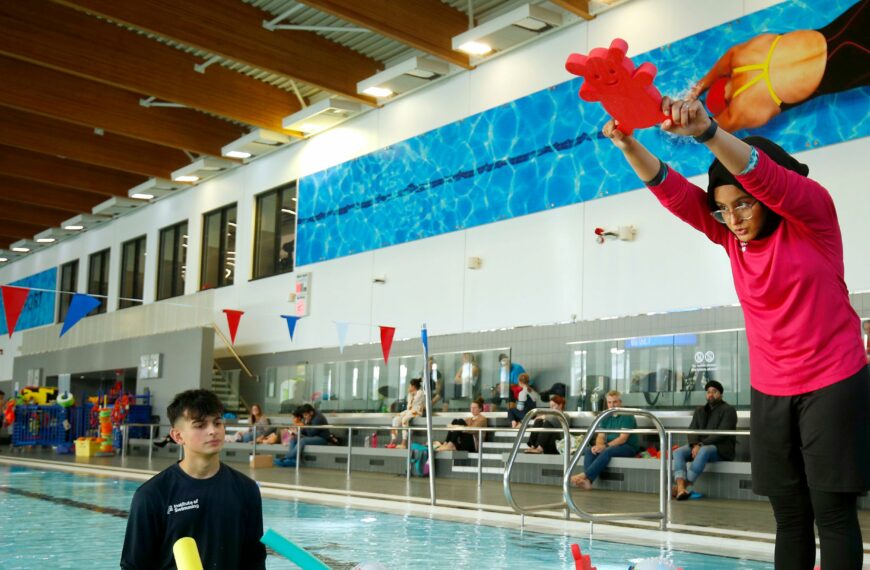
(742, 211)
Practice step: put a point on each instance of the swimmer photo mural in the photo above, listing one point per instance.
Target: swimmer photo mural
(796, 73)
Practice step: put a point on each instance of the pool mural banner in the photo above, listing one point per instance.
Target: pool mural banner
(545, 150)
(39, 308)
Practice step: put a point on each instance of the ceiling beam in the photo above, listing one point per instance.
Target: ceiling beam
(20, 230)
(234, 30)
(82, 144)
(68, 98)
(16, 211)
(58, 198)
(578, 7)
(428, 25)
(38, 167)
(67, 40)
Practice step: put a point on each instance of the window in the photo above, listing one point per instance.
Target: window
(69, 278)
(132, 273)
(172, 263)
(98, 279)
(218, 248)
(275, 232)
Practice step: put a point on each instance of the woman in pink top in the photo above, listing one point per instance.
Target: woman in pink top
(810, 383)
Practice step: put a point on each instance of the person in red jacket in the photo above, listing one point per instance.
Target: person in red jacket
(808, 367)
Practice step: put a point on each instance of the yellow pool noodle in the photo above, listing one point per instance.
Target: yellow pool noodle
(186, 554)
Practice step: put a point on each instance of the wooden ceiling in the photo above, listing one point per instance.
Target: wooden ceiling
(74, 131)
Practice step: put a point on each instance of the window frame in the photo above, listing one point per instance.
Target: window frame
(140, 251)
(63, 293)
(222, 251)
(275, 266)
(102, 295)
(179, 256)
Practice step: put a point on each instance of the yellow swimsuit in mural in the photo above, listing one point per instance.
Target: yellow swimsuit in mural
(764, 68)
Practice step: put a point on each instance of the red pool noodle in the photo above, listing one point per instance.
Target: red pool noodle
(626, 92)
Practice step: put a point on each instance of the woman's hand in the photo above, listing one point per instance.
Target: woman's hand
(617, 137)
(686, 118)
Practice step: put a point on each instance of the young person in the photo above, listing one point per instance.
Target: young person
(808, 367)
(465, 440)
(197, 497)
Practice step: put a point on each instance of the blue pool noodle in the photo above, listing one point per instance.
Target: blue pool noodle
(295, 554)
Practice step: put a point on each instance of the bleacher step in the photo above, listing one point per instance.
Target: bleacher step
(473, 469)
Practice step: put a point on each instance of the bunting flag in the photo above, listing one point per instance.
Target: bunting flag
(79, 307)
(233, 318)
(291, 323)
(13, 303)
(424, 336)
(387, 340)
(341, 329)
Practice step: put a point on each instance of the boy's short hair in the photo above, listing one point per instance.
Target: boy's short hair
(614, 394)
(199, 404)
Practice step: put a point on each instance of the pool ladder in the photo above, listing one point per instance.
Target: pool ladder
(571, 460)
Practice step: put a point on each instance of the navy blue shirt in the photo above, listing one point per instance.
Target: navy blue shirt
(223, 514)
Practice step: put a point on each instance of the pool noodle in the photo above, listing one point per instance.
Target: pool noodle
(295, 554)
(186, 554)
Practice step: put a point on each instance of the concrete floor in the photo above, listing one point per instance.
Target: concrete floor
(725, 519)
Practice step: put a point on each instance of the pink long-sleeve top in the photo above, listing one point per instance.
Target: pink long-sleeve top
(803, 333)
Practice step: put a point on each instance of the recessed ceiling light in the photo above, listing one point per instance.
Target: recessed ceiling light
(377, 92)
(46, 240)
(186, 178)
(73, 228)
(21, 249)
(142, 196)
(238, 154)
(3, 260)
(475, 48)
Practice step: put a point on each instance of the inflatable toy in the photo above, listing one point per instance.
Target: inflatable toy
(186, 554)
(625, 92)
(295, 554)
(9, 413)
(39, 395)
(120, 409)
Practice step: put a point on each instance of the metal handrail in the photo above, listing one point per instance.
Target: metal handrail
(661, 514)
(506, 480)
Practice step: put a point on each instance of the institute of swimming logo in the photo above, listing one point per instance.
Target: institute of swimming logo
(182, 506)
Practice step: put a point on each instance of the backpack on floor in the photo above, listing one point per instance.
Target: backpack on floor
(419, 460)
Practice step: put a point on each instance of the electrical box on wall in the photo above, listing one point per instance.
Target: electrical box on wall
(475, 263)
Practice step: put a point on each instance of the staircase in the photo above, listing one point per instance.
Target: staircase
(493, 455)
(225, 383)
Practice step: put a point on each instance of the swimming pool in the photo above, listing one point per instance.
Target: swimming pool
(54, 519)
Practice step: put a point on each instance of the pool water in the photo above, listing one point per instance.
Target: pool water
(53, 519)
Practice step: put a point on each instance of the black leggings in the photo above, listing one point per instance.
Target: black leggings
(836, 515)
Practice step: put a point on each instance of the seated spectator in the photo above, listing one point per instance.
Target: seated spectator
(545, 442)
(466, 377)
(265, 433)
(312, 433)
(416, 407)
(527, 399)
(607, 445)
(716, 414)
(465, 440)
(436, 381)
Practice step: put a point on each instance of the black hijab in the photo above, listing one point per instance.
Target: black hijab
(718, 175)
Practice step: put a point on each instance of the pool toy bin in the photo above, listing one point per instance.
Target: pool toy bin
(87, 447)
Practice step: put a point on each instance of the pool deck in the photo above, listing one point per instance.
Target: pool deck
(714, 526)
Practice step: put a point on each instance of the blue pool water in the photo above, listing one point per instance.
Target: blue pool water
(53, 519)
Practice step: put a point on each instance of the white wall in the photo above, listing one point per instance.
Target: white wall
(537, 269)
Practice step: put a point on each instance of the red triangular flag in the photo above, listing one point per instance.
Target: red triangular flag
(233, 318)
(13, 302)
(387, 341)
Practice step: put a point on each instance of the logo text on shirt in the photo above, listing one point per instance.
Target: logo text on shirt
(183, 506)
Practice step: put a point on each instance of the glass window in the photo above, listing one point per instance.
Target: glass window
(69, 278)
(218, 248)
(98, 279)
(132, 273)
(172, 261)
(275, 232)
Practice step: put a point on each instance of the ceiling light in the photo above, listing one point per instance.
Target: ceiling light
(509, 29)
(153, 188)
(116, 206)
(21, 249)
(255, 143)
(46, 240)
(321, 115)
(403, 77)
(83, 221)
(379, 92)
(475, 48)
(3, 259)
(202, 168)
(52, 235)
(25, 246)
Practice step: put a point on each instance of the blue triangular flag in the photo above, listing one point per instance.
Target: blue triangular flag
(291, 323)
(425, 337)
(79, 307)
